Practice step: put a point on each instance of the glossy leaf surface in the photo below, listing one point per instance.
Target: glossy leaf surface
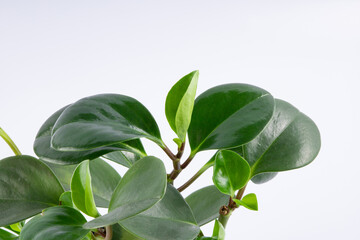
(103, 185)
(180, 102)
(249, 201)
(219, 231)
(231, 172)
(228, 116)
(45, 152)
(205, 203)
(55, 223)
(291, 140)
(119, 233)
(81, 190)
(169, 218)
(142, 186)
(27, 186)
(5, 235)
(103, 120)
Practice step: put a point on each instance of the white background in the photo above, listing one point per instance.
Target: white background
(53, 53)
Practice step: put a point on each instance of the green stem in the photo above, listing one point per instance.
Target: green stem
(10, 142)
(109, 232)
(225, 214)
(196, 176)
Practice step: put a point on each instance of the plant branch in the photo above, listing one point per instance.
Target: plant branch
(10, 142)
(187, 161)
(109, 232)
(169, 153)
(196, 176)
(180, 151)
(225, 214)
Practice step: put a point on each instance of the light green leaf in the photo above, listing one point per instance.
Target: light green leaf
(103, 120)
(81, 190)
(231, 172)
(180, 102)
(205, 203)
(6, 235)
(170, 218)
(44, 151)
(27, 186)
(219, 231)
(16, 227)
(142, 186)
(249, 201)
(66, 199)
(228, 116)
(55, 223)
(103, 185)
(291, 140)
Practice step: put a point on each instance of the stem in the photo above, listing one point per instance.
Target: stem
(187, 161)
(225, 214)
(109, 232)
(240, 193)
(180, 151)
(196, 176)
(169, 153)
(10, 142)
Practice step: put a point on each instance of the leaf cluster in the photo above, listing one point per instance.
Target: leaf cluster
(46, 197)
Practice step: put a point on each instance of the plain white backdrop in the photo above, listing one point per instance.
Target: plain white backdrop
(53, 53)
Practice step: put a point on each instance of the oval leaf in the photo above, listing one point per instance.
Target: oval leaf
(103, 185)
(55, 223)
(127, 159)
(169, 217)
(103, 120)
(142, 186)
(66, 199)
(231, 172)
(237, 114)
(291, 140)
(44, 151)
(180, 102)
(249, 201)
(81, 190)
(27, 186)
(119, 233)
(206, 203)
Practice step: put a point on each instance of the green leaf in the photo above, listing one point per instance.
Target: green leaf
(178, 142)
(16, 227)
(44, 151)
(219, 231)
(263, 177)
(81, 190)
(205, 204)
(55, 223)
(119, 233)
(142, 186)
(27, 186)
(103, 185)
(291, 140)
(170, 217)
(228, 116)
(5, 235)
(249, 201)
(231, 172)
(127, 159)
(66, 199)
(180, 102)
(103, 120)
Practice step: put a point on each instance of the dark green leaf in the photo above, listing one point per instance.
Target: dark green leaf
(206, 203)
(263, 177)
(103, 185)
(45, 152)
(142, 186)
(81, 190)
(5, 235)
(249, 201)
(171, 218)
(231, 172)
(66, 199)
(126, 159)
(180, 102)
(228, 116)
(103, 120)
(119, 233)
(27, 186)
(219, 231)
(290, 140)
(55, 223)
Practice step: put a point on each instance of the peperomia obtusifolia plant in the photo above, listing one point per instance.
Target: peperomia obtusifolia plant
(255, 135)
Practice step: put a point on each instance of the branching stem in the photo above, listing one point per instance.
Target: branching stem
(196, 176)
